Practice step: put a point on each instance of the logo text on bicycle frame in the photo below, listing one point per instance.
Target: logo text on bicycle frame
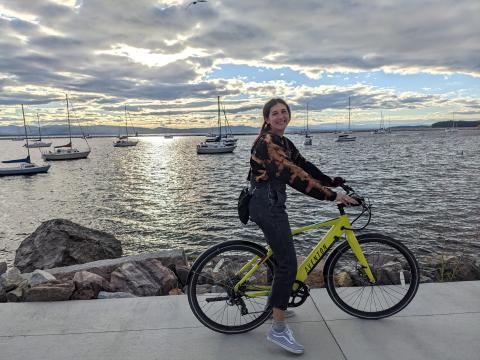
(315, 259)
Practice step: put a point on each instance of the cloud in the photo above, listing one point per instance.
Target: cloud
(156, 53)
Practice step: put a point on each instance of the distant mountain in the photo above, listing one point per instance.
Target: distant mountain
(107, 130)
(407, 127)
(460, 124)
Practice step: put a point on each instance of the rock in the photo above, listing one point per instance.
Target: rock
(51, 291)
(343, 279)
(105, 267)
(11, 279)
(175, 291)
(451, 268)
(315, 278)
(3, 294)
(114, 295)
(61, 242)
(88, 285)
(3, 267)
(39, 277)
(149, 278)
(181, 272)
(17, 294)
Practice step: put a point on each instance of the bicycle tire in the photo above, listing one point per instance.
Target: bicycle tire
(210, 292)
(394, 267)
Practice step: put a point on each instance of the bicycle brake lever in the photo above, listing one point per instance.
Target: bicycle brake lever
(347, 188)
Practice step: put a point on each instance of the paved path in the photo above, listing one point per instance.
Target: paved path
(442, 323)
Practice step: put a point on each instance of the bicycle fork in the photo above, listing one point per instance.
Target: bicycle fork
(357, 250)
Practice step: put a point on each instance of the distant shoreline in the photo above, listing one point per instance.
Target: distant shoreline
(93, 136)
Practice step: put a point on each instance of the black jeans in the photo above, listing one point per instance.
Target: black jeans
(267, 210)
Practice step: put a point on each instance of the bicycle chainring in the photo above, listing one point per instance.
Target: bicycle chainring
(300, 295)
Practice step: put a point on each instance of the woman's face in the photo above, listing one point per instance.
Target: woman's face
(278, 119)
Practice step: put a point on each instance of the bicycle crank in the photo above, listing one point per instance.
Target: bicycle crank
(300, 295)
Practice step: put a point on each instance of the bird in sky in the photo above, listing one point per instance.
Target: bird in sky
(196, 2)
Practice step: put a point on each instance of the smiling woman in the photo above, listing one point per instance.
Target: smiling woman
(276, 162)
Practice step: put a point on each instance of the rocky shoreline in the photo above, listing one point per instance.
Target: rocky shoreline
(65, 261)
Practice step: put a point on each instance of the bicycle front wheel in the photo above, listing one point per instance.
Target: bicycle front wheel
(211, 287)
(396, 277)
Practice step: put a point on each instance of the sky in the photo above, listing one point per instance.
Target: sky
(411, 62)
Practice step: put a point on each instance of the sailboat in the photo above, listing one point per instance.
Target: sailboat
(227, 137)
(308, 137)
(381, 130)
(38, 143)
(345, 136)
(25, 167)
(67, 151)
(124, 141)
(220, 144)
(452, 128)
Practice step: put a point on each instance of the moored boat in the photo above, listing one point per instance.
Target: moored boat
(25, 167)
(67, 151)
(125, 141)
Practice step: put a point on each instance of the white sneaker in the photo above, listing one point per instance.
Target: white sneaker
(285, 340)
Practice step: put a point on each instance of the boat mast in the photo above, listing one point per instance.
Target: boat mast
(349, 113)
(126, 126)
(26, 134)
(307, 118)
(219, 120)
(39, 131)
(68, 119)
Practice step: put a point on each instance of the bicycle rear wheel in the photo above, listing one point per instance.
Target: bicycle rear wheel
(211, 282)
(395, 270)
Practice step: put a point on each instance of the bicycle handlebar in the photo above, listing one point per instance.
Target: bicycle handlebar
(364, 203)
(350, 192)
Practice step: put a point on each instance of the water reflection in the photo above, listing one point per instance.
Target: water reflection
(161, 194)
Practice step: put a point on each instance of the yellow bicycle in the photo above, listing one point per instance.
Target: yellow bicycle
(370, 276)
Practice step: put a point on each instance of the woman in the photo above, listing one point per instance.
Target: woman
(275, 162)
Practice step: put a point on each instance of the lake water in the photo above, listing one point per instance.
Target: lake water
(424, 187)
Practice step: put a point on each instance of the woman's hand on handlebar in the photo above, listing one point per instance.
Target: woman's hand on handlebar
(345, 199)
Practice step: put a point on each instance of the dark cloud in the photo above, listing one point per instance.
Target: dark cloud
(46, 45)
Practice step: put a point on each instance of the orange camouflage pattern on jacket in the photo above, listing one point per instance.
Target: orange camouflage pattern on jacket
(275, 157)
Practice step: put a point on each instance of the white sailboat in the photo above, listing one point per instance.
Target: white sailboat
(345, 136)
(25, 167)
(38, 143)
(381, 130)
(220, 144)
(452, 128)
(67, 151)
(124, 141)
(308, 137)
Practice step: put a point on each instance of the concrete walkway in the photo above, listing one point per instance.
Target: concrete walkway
(442, 322)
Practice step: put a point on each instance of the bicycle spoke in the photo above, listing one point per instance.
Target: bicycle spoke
(212, 292)
(391, 265)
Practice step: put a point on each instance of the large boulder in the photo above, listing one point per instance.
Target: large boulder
(88, 285)
(50, 291)
(61, 242)
(3, 294)
(149, 278)
(3, 267)
(104, 268)
(11, 279)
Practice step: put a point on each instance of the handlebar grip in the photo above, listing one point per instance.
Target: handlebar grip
(360, 200)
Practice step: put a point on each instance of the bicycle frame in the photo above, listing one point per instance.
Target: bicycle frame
(338, 227)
